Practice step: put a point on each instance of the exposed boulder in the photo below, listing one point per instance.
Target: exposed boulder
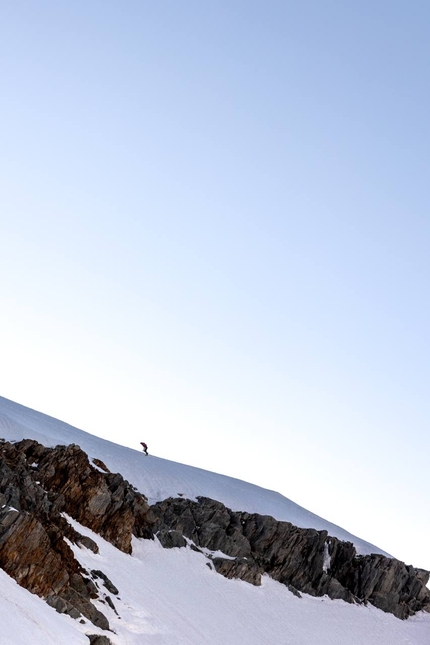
(88, 543)
(242, 568)
(305, 560)
(106, 582)
(96, 639)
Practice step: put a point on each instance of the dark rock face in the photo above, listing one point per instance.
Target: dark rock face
(99, 640)
(37, 484)
(171, 539)
(106, 582)
(305, 560)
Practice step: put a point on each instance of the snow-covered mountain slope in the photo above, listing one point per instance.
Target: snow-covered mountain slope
(174, 596)
(159, 478)
(167, 597)
(25, 618)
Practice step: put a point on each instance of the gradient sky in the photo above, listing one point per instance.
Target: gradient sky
(215, 231)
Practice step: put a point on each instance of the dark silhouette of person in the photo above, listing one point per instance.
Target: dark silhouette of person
(145, 447)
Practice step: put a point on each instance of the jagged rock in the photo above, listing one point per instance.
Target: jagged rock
(88, 543)
(37, 485)
(107, 583)
(95, 639)
(86, 608)
(100, 464)
(62, 606)
(422, 575)
(28, 555)
(239, 568)
(171, 539)
(105, 503)
(294, 591)
(388, 584)
(74, 604)
(305, 560)
(110, 603)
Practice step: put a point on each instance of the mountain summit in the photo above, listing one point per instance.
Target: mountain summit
(130, 550)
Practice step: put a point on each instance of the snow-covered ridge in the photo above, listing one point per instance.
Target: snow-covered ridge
(159, 478)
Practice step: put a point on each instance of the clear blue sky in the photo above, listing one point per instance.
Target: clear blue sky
(215, 229)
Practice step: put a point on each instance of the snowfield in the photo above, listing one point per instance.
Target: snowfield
(26, 618)
(159, 478)
(173, 596)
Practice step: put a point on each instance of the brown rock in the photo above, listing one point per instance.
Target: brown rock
(37, 484)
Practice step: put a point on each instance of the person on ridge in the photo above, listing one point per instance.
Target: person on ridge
(145, 447)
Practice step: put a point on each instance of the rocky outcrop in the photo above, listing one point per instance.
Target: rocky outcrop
(305, 560)
(40, 487)
(95, 639)
(37, 486)
(104, 502)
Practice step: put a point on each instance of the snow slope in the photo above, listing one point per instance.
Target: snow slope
(159, 478)
(172, 597)
(26, 618)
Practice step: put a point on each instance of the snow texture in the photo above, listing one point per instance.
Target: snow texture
(159, 478)
(171, 596)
